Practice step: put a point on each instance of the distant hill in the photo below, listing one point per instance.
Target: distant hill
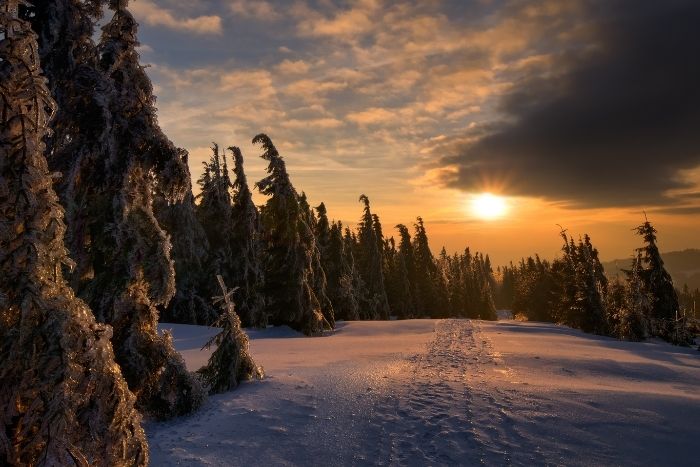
(684, 267)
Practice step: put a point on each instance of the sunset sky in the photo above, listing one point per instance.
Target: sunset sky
(579, 113)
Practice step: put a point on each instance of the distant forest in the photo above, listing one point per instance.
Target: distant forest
(637, 302)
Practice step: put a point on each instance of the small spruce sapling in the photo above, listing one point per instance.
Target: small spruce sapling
(231, 362)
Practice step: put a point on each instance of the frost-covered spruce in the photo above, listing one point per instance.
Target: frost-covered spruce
(190, 252)
(373, 303)
(114, 158)
(231, 362)
(590, 288)
(318, 279)
(633, 316)
(214, 212)
(69, 58)
(63, 400)
(288, 245)
(426, 285)
(358, 286)
(664, 319)
(232, 225)
(247, 269)
(337, 268)
(130, 253)
(407, 270)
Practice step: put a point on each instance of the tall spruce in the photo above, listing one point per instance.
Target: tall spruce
(337, 266)
(318, 275)
(373, 303)
(78, 148)
(392, 276)
(190, 250)
(537, 289)
(247, 272)
(665, 320)
(350, 250)
(63, 400)
(406, 275)
(216, 216)
(483, 278)
(288, 246)
(428, 299)
(232, 225)
(630, 306)
(114, 158)
(133, 273)
(592, 284)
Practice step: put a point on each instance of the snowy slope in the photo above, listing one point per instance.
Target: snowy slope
(429, 392)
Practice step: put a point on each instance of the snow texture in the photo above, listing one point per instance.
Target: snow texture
(443, 392)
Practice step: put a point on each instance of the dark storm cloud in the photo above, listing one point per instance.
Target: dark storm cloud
(613, 122)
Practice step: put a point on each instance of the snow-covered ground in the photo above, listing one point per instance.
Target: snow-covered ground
(432, 392)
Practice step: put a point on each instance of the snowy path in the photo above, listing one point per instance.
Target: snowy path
(448, 392)
(444, 416)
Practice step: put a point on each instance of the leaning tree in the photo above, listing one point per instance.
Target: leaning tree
(288, 249)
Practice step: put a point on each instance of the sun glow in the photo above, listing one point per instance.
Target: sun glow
(488, 207)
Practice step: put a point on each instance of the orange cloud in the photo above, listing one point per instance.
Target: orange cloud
(148, 12)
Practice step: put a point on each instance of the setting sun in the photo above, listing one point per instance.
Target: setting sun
(487, 206)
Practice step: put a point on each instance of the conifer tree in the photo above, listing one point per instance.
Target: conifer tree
(318, 275)
(472, 291)
(232, 225)
(133, 273)
(216, 215)
(506, 287)
(336, 266)
(664, 319)
(350, 247)
(590, 290)
(114, 159)
(536, 286)
(582, 286)
(426, 285)
(231, 362)
(392, 276)
(483, 275)
(405, 271)
(63, 400)
(374, 303)
(190, 250)
(247, 272)
(452, 270)
(566, 309)
(190, 254)
(632, 315)
(288, 245)
(78, 148)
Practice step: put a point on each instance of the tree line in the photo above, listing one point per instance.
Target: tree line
(574, 290)
(295, 266)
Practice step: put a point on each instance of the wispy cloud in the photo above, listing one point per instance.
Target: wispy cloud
(260, 10)
(148, 12)
(293, 67)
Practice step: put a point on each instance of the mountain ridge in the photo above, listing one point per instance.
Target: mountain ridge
(683, 265)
